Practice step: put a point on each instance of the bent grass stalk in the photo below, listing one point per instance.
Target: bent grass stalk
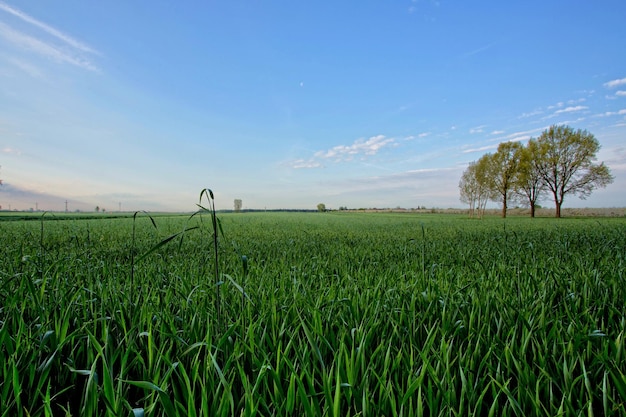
(208, 194)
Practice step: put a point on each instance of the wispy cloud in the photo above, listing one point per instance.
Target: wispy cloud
(526, 134)
(477, 129)
(615, 83)
(11, 151)
(68, 50)
(512, 137)
(42, 48)
(345, 153)
(304, 164)
(498, 132)
(566, 110)
(612, 113)
(556, 106)
(530, 114)
(479, 50)
(414, 8)
(571, 109)
(620, 93)
(26, 67)
(481, 149)
(46, 28)
(578, 100)
(395, 180)
(419, 136)
(361, 146)
(519, 138)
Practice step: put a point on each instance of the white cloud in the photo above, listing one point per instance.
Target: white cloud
(346, 153)
(370, 146)
(571, 109)
(497, 132)
(435, 179)
(620, 93)
(423, 135)
(513, 137)
(615, 83)
(518, 136)
(477, 129)
(612, 113)
(479, 50)
(46, 28)
(557, 105)
(304, 164)
(26, 67)
(530, 114)
(52, 44)
(510, 138)
(42, 48)
(11, 151)
(481, 149)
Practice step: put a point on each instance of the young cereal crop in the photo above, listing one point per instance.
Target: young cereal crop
(311, 314)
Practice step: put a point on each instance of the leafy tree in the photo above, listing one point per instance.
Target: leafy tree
(468, 188)
(529, 185)
(502, 169)
(474, 187)
(566, 163)
(238, 205)
(321, 207)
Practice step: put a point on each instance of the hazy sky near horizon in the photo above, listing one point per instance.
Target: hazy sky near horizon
(288, 104)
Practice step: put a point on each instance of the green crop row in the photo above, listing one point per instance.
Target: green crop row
(342, 314)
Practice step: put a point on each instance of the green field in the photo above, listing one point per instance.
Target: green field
(343, 314)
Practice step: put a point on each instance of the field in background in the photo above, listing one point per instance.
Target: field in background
(341, 313)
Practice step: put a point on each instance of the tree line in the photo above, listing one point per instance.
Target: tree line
(559, 163)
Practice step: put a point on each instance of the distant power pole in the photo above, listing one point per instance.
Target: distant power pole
(120, 206)
(66, 206)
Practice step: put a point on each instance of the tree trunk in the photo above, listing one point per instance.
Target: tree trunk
(532, 209)
(558, 209)
(504, 208)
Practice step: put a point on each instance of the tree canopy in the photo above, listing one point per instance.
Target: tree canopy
(502, 169)
(473, 187)
(529, 183)
(566, 163)
(561, 161)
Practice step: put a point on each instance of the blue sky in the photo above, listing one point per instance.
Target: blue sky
(289, 104)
